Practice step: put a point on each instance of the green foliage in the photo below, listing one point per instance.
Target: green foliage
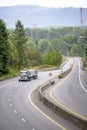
(37, 47)
(55, 44)
(43, 45)
(56, 38)
(51, 33)
(32, 58)
(4, 48)
(13, 56)
(31, 44)
(20, 41)
(45, 67)
(84, 64)
(52, 58)
(70, 39)
(76, 50)
(86, 52)
(12, 72)
(37, 34)
(54, 33)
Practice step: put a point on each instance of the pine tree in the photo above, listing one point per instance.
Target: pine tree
(20, 40)
(4, 48)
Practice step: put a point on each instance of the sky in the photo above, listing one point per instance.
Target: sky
(47, 3)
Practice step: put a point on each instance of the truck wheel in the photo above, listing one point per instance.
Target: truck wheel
(29, 79)
(34, 77)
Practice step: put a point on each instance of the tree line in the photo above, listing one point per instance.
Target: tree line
(22, 48)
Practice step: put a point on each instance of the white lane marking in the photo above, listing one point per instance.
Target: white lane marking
(9, 100)
(15, 111)
(10, 105)
(81, 81)
(23, 119)
(33, 129)
(3, 86)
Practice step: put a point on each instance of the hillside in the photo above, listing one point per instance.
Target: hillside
(42, 16)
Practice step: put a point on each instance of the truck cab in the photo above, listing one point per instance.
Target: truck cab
(27, 75)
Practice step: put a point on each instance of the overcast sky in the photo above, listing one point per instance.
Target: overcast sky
(47, 3)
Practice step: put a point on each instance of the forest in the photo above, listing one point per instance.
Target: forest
(29, 47)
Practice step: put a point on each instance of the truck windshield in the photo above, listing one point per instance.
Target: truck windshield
(23, 73)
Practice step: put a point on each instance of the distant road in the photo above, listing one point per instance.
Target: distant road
(72, 92)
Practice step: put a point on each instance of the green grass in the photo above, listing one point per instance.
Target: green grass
(42, 67)
(84, 64)
(12, 73)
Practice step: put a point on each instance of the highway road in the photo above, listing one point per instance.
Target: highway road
(71, 93)
(16, 112)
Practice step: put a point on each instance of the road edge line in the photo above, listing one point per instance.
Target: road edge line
(46, 116)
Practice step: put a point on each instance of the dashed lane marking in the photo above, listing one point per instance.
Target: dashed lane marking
(10, 105)
(23, 119)
(9, 100)
(15, 111)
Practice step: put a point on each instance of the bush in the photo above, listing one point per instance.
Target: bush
(60, 76)
(45, 66)
(4, 71)
(52, 58)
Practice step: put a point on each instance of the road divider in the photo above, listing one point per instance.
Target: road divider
(41, 111)
(64, 73)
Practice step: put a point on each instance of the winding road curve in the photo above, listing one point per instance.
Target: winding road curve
(16, 112)
(71, 93)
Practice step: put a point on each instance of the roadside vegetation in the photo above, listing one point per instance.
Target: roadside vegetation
(38, 47)
(84, 39)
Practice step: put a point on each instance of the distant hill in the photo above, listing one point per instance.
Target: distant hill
(42, 16)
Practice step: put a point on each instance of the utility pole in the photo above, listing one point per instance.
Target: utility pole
(81, 17)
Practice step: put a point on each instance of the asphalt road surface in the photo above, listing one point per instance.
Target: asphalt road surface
(72, 92)
(16, 112)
